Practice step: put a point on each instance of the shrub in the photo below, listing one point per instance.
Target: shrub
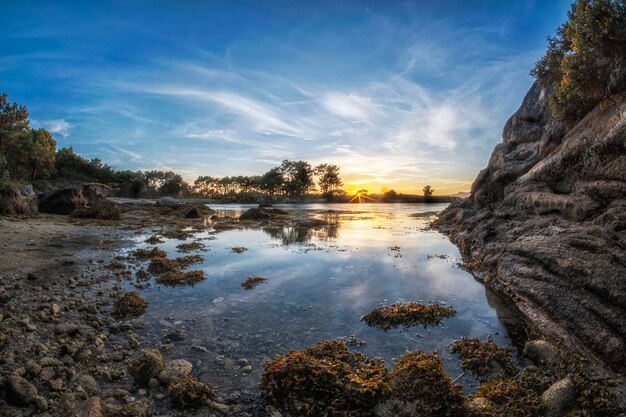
(584, 62)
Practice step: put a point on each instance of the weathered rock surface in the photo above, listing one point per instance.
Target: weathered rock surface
(147, 365)
(558, 398)
(545, 224)
(68, 199)
(174, 371)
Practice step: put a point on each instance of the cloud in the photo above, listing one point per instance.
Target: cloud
(59, 126)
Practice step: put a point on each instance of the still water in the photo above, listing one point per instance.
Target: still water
(319, 284)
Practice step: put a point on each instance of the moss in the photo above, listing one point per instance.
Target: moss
(130, 304)
(145, 254)
(483, 358)
(190, 247)
(251, 282)
(326, 379)
(190, 393)
(181, 278)
(407, 314)
(419, 378)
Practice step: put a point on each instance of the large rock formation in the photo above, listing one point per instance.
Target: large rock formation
(68, 199)
(545, 225)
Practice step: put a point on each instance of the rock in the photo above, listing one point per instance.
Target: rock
(68, 199)
(12, 203)
(559, 398)
(545, 224)
(140, 408)
(478, 403)
(147, 365)
(56, 384)
(27, 191)
(246, 369)
(70, 329)
(542, 352)
(168, 202)
(177, 335)
(255, 214)
(20, 391)
(198, 212)
(89, 384)
(102, 210)
(174, 371)
(55, 309)
(91, 407)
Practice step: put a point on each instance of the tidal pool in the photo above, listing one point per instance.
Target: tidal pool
(320, 282)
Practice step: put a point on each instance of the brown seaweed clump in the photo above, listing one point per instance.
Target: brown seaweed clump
(190, 247)
(181, 278)
(483, 358)
(188, 392)
(419, 382)
(407, 314)
(145, 254)
(238, 249)
(130, 304)
(519, 396)
(160, 265)
(326, 379)
(251, 282)
(154, 239)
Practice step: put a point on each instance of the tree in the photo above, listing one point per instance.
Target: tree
(272, 181)
(428, 191)
(389, 196)
(37, 153)
(298, 177)
(328, 178)
(584, 61)
(13, 129)
(172, 184)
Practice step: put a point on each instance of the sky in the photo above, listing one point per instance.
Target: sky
(399, 94)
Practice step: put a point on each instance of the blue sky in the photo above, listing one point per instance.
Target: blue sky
(399, 94)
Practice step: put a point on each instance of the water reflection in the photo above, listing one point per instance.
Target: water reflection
(320, 281)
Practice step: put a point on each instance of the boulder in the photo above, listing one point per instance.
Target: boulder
(545, 222)
(559, 398)
(12, 203)
(198, 212)
(168, 202)
(27, 191)
(20, 391)
(174, 371)
(68, 199)
(147, 365)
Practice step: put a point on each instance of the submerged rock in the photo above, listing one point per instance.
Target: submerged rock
(174, 371)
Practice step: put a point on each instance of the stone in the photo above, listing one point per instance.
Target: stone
(542, 352)
(68, 199)
(89, 384)
(168, 202)
(559, 398)
(27, 191)
(147, 365)
(20, 391)
(545, 222)
(177, 335)
(56, 384)
(174, 371)
(70, 329)
(91, 407)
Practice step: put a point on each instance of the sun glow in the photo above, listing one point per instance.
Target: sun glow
(361, 195)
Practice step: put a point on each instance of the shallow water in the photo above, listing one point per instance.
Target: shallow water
(319, 284)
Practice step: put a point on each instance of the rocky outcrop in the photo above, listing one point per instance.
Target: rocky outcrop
(545, 225)
(68, 199)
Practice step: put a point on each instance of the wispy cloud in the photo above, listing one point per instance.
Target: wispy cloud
(59, 126)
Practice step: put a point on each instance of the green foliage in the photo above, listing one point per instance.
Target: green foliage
(326, 380)
(585, 61)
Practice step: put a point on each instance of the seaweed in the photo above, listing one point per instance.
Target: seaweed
(251, 282)
(190, 393)
(483, 358)
(130, 304)
(407, 314)
(238, 249)
(160, 265)
(180, 278)
(145, 254)
(190, 247)
(326, 379)
(420, 380)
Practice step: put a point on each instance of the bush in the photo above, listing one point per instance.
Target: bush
(584, 62)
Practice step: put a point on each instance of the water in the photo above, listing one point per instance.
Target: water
(319, 284)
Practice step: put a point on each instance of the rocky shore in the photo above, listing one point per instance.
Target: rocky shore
(544, 225)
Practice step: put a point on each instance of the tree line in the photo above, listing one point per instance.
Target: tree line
(31, 155)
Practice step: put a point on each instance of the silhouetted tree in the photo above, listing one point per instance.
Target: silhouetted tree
(428, 191)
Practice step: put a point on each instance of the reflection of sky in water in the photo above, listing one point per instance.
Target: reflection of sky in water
(320, 283)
